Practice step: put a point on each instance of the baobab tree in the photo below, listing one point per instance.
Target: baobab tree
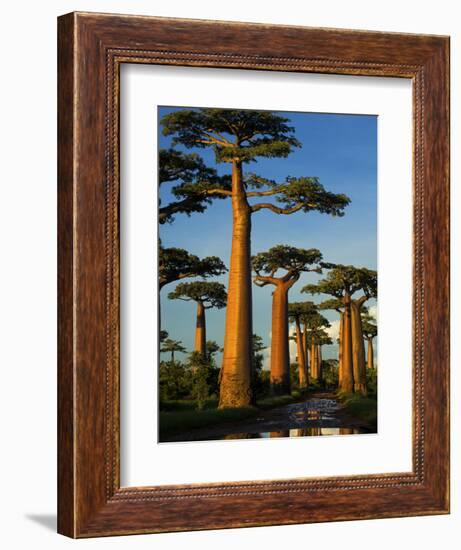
(318, 338)
(342, 282)
(172, 346)
(299, 312)
(176, 264)
(337, 305)
(288, 263)
(370, 330)
(212, 348)
(239, 137)
(188, 175)
(314, 323)
(206, 295)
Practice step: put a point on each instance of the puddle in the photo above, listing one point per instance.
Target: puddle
(297, 432)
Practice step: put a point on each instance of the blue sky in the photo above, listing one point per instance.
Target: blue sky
(341, 150)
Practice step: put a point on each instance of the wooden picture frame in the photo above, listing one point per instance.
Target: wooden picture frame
(92, 47)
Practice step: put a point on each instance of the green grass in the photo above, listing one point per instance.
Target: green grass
(363, 408)
(181, 415)
(274, 401)
(177, 421)
(186, 404)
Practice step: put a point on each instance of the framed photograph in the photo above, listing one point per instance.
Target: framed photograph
(253, 275)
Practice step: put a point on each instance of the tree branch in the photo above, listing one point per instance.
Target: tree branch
(263, 193)
(218, 191)
(261, 280)
(276, 209)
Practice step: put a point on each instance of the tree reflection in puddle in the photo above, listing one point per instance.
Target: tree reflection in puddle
(298, 432)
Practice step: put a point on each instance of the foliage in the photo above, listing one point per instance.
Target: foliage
(204, 379)
(345, 279)
(363, 408)
(240, 136)
(172, 346)
(191, 177)
(369, 328)
(177, 421)
(288, 258)
(294, 376)
(372, 383)
(212, 348)
(177, 263)
(260, 382)
(330, 374)
(174, 380)
(303, 311)
(210, 294)
(232, 133)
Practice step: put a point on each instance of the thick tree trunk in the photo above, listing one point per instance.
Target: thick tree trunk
(347, 381)
(303, 380)
(306, 351)
(319, 361)
(340, 346)
(314, 361)
(358, 349)
(235, 389)
(200, 331)
(280, 355)
(370, 358)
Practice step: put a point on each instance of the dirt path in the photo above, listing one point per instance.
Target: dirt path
(321, 414)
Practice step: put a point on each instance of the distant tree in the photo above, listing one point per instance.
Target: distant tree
(319, 337)
(297, 313)
(342, 282)
(370, 330)
(288, 263)
(190, 178)
(172, 346)
(212, 348)
(176, 264)
(206, 295)
(314, 324)
(257, 364)
(337, 305)
(163, 335)
(239, 137)
(174, 381)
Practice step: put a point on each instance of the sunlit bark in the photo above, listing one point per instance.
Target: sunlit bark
(358, 348)
(200, 330)
(319, 362)
(340, 346)
(314, 360)
(280, 356)
(235, 389)
(370, 358)
(347, 379)
(301, 351)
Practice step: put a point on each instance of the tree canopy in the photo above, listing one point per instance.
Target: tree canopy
(369, 328)
(343, 279)
(233, 133)
(172, 346)
(301, 309)
(177, 263)
(290, 259)
(319, 336)
(191, 178)
(210, 294)
(243, 136)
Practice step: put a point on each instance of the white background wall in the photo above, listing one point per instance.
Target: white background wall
(28, 270)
